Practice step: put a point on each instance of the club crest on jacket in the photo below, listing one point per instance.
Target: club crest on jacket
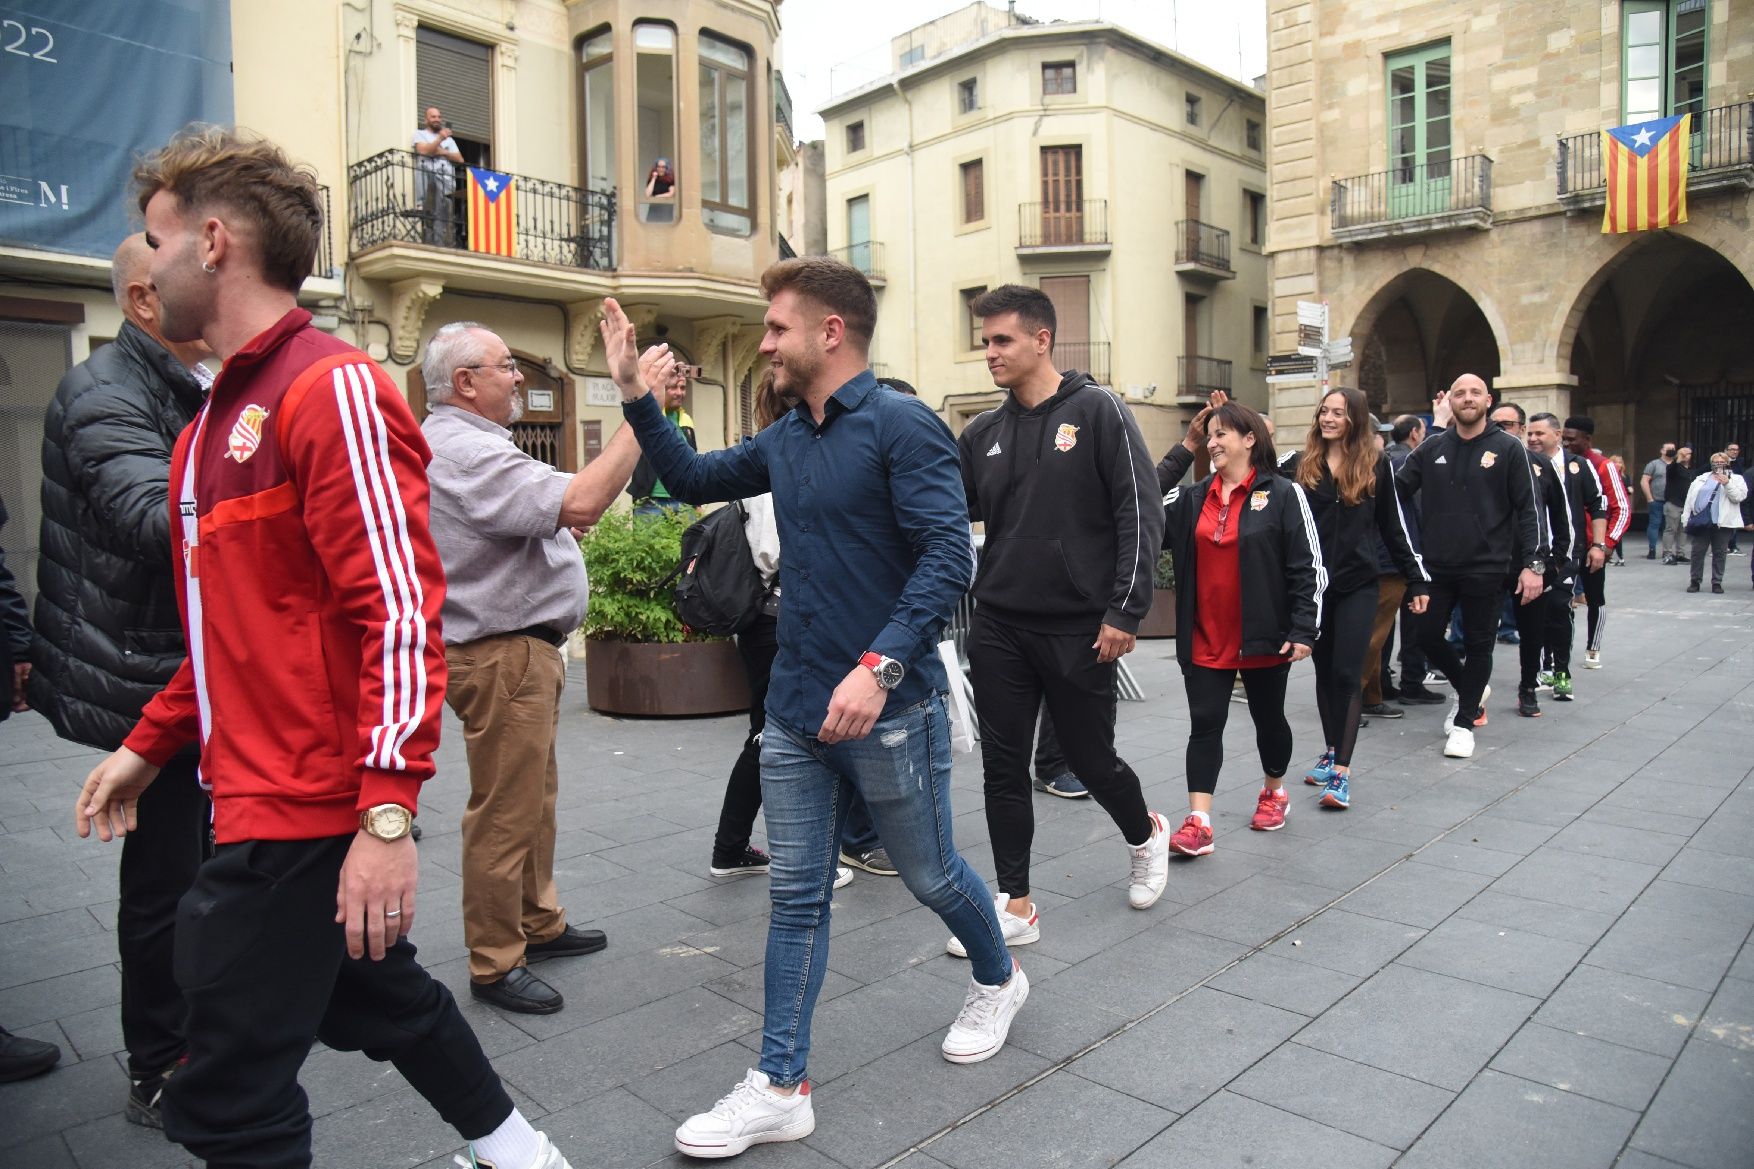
(1258, 501)
(1066, 437)
(246, 433)
(1487, 459)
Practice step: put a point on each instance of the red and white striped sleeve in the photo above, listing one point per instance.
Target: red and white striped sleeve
(361, 460)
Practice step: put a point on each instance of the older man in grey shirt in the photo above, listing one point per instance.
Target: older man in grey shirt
(505, 526)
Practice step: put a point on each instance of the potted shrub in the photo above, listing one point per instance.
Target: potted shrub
(1160, 622)
(638, 657)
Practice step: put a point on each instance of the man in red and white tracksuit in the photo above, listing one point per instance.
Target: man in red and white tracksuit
(310, 592)
(1578, 435)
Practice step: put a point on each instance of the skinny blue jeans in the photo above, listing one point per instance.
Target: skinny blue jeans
(902, 769)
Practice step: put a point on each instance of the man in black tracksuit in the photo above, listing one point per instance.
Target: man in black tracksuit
(1074, 522)
(1585, 523)
(1477, 509)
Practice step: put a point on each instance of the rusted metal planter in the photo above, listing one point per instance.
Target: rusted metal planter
(691, 678)
(1160, 621)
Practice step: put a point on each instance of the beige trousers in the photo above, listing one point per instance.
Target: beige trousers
(506, 689)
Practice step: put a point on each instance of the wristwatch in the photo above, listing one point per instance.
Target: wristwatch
(386, 821)
(889, 671)
(1603, 547)
(1537, 566)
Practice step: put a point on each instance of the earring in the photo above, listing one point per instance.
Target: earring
(208, 268)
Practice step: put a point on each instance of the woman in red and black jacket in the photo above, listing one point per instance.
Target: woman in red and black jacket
(1249, 581)
(1351, 490)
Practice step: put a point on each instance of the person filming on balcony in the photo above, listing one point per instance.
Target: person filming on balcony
(435, 168)
(661, 190)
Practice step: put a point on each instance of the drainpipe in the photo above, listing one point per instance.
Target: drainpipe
(913, 248)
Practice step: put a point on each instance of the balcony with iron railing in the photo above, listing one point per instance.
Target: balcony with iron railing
(1414, 199)
(1065, 228)
(1720, 155)
(1089, 357)
(866, 256)
(393, 198)
(1202, 251)
(1199, 376)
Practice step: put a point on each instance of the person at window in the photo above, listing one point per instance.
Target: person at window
(436, 171)
(1249, 583)
(660, 192)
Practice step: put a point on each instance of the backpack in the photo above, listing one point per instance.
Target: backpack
(718, 589)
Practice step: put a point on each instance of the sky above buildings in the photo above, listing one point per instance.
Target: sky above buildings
(831, 46)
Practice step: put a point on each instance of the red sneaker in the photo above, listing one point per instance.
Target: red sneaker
(1270, 810)
(1192, 838)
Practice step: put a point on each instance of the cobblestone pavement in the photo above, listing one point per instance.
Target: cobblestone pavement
(1538, 957)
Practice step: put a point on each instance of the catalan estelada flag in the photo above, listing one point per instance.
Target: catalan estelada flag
(1646, 167)
(492, 212)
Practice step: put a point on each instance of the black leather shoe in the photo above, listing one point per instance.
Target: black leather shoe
(1420, 696)
(569, 943)
(22, 1058)
(519, 991)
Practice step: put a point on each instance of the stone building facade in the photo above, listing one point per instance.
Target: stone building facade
(1436, 178)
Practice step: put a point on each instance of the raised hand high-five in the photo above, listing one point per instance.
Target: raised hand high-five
(634, 376)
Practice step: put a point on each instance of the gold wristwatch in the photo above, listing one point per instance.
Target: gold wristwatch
(386, 821)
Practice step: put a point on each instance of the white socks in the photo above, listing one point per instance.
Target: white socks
(512, 1145)
(1205, 818)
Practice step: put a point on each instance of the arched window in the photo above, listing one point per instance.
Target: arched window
(726, 111)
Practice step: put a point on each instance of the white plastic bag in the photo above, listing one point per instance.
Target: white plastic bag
(960, 702)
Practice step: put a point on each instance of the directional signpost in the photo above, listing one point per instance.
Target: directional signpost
(1315, 355)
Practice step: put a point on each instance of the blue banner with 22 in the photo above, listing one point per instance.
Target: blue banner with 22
(85, 87)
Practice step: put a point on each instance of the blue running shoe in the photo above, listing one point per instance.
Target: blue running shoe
(1067, 787)
(1322, 772)
(1336, 795)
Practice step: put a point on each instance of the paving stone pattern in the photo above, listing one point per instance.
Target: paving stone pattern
(1540, 956)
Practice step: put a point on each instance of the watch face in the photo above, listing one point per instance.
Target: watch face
(388, 821)
(889, 674)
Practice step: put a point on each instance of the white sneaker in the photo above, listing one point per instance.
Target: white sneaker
(1433, 678)
(753, 1114)
(1460, 744)
(547, 1157)
(1456, 706)
(980, 1029)
(1150, 861)
(843, 876)
(1017, 931)
(1592, 659)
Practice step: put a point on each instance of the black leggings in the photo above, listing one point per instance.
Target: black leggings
(1209, 709)
(1347, 619)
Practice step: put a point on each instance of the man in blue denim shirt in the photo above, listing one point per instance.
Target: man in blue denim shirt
(868, 495)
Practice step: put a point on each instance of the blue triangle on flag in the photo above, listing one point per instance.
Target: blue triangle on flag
(1642, 137)
(491, 182)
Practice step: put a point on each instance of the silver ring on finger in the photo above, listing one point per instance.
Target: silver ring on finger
(392, 913)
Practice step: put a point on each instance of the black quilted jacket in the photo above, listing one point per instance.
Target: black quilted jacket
(108, 633)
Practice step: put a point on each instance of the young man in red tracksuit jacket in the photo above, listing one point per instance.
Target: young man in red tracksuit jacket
(310, 593)
(1578, 436)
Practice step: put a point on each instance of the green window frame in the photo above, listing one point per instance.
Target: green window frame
(1420, 130)
(1664, 48)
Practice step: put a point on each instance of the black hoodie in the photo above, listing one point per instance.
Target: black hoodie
(1073, 514)
(1477, 503)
